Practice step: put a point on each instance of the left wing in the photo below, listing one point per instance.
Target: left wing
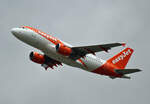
(79, 52)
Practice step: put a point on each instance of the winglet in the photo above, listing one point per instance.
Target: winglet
(123, 44)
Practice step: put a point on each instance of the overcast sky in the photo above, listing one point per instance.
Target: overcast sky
(78, 22)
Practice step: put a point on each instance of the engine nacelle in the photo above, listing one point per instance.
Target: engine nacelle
(64, 50)
(37, 58)
(44, 60)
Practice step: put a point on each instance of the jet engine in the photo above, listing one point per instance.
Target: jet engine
(37, 58)
(44, 60)
(64, 50)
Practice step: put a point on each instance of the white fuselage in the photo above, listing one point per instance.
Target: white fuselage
(48, 48)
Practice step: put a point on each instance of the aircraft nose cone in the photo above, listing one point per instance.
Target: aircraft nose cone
(13, 31)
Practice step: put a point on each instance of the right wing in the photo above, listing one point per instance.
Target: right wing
(81, 51)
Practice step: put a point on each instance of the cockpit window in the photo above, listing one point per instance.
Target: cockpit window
(22, 27)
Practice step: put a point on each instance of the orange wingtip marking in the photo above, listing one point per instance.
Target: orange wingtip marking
(123, 44)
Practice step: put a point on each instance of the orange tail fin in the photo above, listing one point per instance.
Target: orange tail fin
(121, 59)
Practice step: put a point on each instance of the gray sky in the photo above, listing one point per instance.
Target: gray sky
(78, 22)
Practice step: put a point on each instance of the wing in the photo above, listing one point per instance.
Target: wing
(79, 52)
(50, 63)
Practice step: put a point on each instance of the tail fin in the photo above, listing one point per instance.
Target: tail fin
(121, 59)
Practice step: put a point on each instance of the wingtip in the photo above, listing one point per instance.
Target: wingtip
(123, 44)
(126, 77)
(138, 70)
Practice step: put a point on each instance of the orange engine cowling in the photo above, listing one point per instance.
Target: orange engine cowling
(64, 50)
(37, 58)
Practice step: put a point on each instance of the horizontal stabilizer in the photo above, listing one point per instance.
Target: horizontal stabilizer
(126, 71)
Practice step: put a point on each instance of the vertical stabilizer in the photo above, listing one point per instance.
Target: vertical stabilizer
(121, 59)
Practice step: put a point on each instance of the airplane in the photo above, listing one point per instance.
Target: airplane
(57, 52)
